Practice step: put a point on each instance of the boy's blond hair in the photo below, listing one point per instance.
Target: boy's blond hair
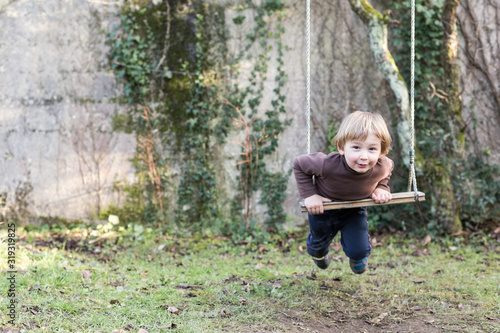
(358, 125)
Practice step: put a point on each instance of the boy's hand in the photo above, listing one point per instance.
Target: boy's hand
(381, 196)
(314, 204)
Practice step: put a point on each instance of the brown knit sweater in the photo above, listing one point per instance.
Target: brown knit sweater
(336, 180)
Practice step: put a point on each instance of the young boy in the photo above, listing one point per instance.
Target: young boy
(359, 170)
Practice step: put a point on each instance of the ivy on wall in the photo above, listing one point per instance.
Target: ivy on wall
(192, 110)
(262, 129)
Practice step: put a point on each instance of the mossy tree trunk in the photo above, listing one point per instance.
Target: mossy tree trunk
(450, 214)
(377, 30)
(444, 204)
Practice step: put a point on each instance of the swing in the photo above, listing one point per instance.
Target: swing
(397, 198)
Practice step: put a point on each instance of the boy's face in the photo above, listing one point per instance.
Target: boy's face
(362, 155)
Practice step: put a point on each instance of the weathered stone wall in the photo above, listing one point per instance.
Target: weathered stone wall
(57, 96)
(58, 154)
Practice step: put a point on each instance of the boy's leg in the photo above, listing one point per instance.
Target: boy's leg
(355, 239)
(322, 231)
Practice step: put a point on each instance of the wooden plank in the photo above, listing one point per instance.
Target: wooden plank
(397, 198)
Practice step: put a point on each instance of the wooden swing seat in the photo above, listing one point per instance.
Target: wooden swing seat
(397, 198)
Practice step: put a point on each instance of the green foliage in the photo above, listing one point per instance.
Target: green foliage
(478, 191)
(332, 131)
(185, 87)
(198, 187)
(132, 44)
(274, 187)
(262, 130)
(431, 118)
(443, 172)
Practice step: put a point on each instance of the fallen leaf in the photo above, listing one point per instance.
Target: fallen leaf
(171, 326)
(260, 265)
(453, 248)
(429, 321)
(141, 330)
(225, 314)
(34, 309)
(336, 246)
(243, 301)
(128, 327)
(375, 243)
(86, 274)
(114, 301)
(356, 295)
(378, 319)
(173, 310)
(118, 331)
(426, 240)
(188, 286)
(416, 308)
(420, 253)
(445, 304)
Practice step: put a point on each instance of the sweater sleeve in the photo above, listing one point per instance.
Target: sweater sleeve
(304, 168)
(384, 183)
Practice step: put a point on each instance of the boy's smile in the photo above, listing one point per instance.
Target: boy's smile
(362, 155)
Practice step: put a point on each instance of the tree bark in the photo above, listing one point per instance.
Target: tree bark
(377, 31)
(450, 215)
(444, 203)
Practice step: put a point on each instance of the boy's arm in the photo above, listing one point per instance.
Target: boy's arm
(304, 168)
(383, 192)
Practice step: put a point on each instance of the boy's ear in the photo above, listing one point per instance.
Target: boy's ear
(341, 151)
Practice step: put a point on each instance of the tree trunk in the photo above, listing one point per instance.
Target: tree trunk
(444, 206)
(446, 195)
(377, 30)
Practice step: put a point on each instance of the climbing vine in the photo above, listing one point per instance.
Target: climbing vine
(262, 128)
(446, 175)
(192, 109)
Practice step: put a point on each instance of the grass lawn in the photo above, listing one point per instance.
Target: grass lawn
(161, 284)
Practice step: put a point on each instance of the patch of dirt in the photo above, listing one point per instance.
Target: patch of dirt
(339, 323)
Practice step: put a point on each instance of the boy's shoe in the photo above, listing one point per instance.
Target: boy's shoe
(322, 262)
(359, 266)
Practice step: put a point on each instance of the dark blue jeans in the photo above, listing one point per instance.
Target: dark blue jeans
(353, 226)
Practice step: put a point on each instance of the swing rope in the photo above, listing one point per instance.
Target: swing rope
(308, 75)
(412, 175)
(412, 178)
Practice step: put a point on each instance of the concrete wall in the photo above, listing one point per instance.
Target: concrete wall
(58, 154)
